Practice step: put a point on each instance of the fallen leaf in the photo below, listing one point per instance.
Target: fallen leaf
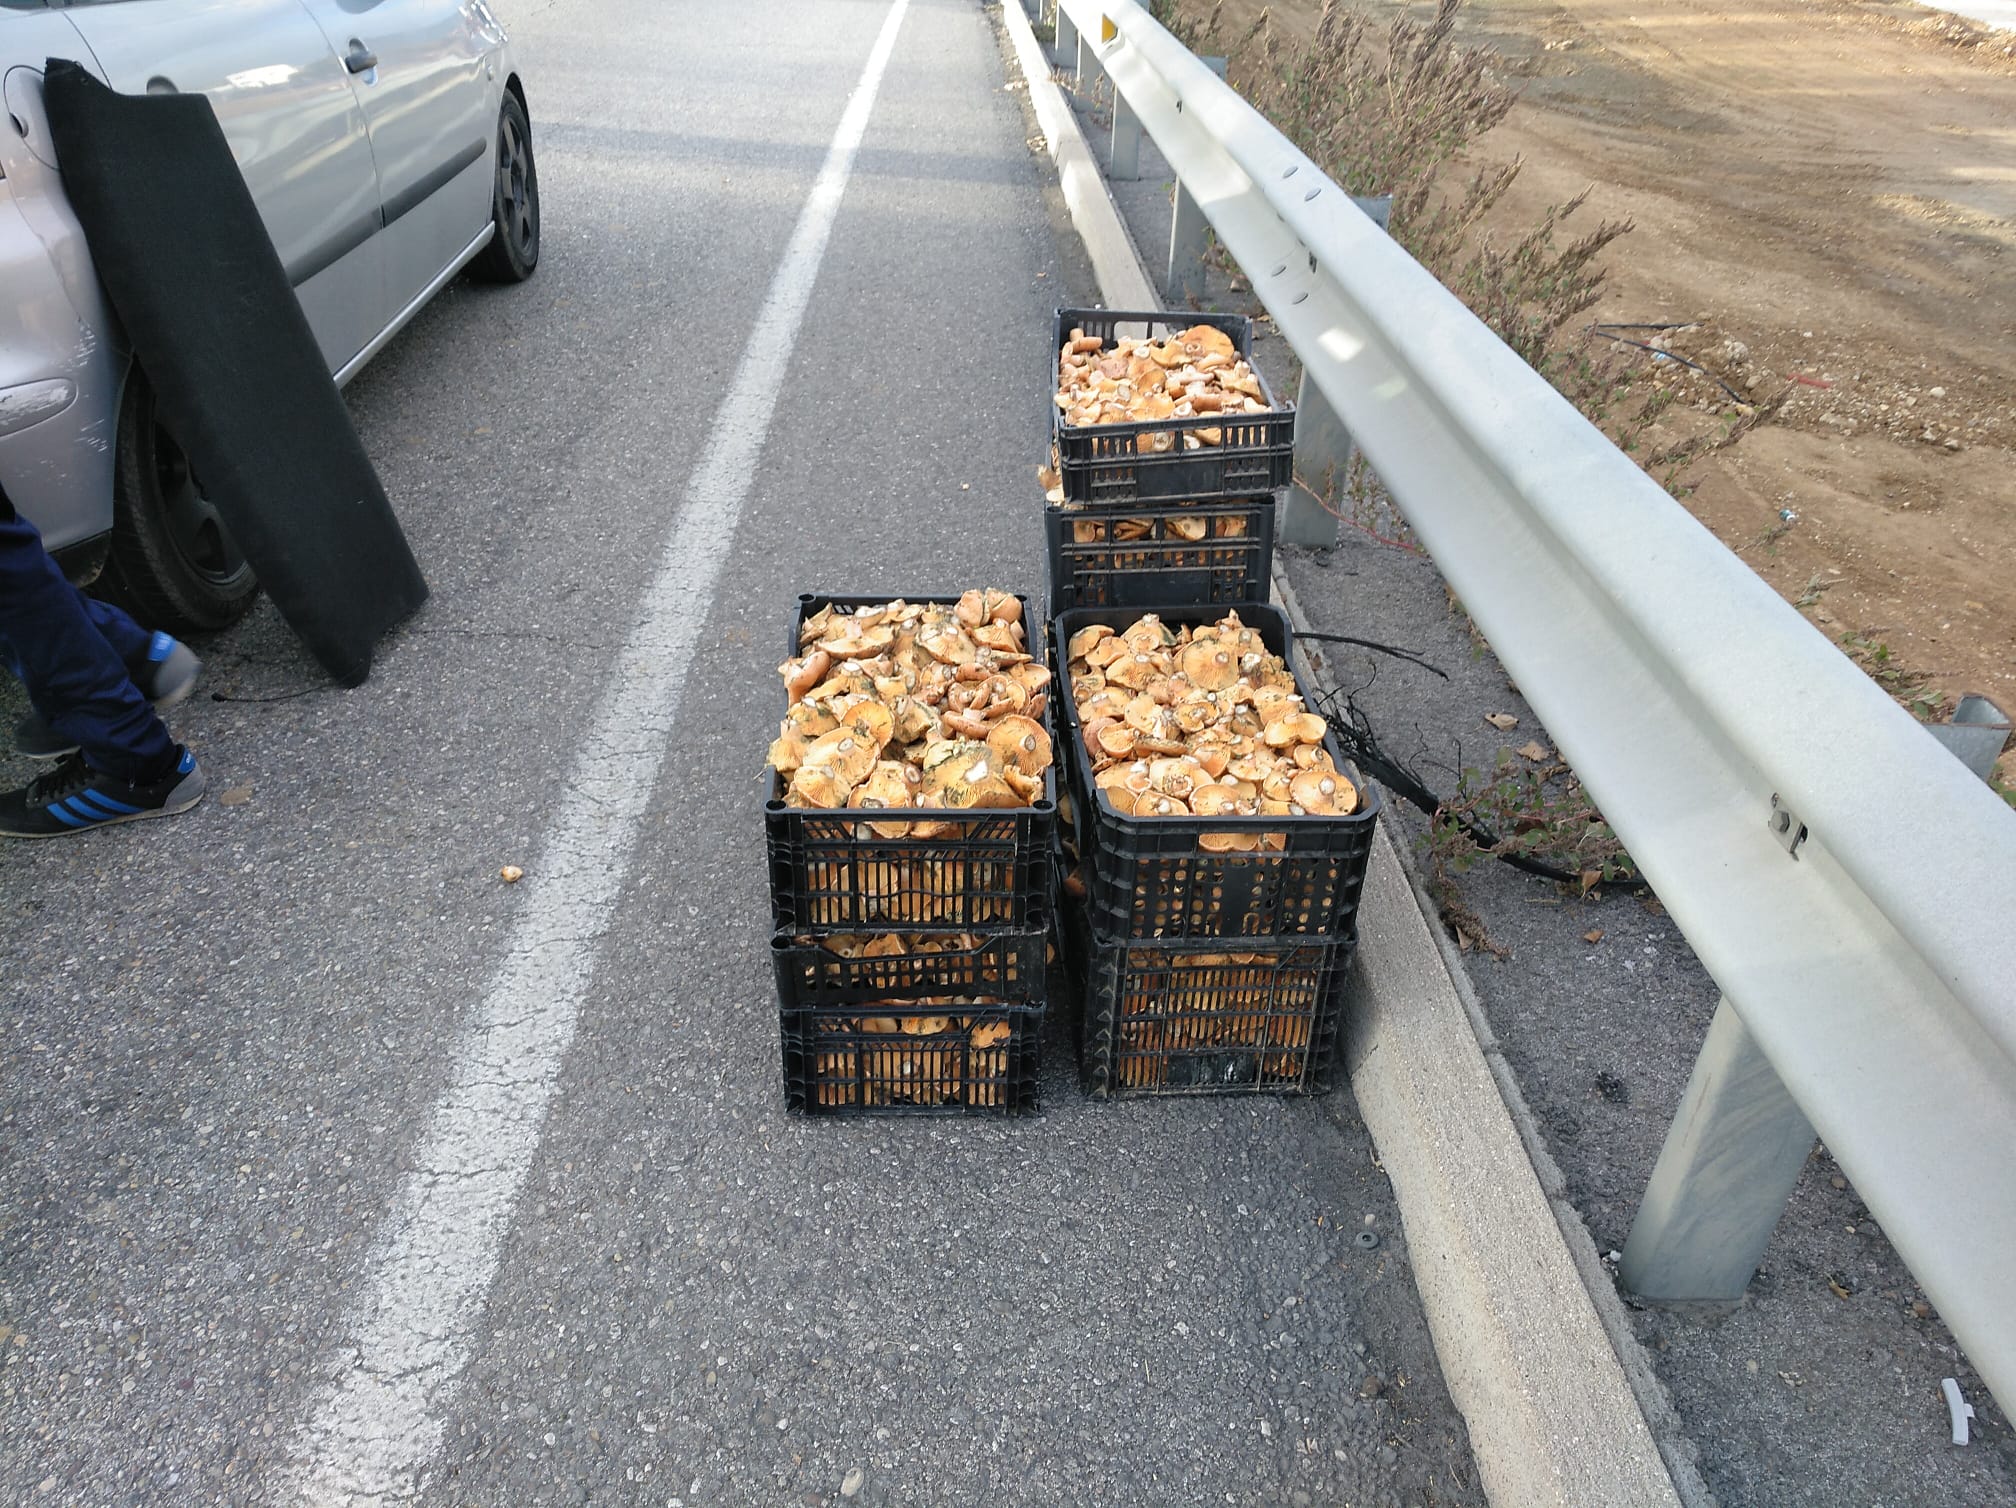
(1504, 722)
(1590, 879)
(510, 874)
(238, 795)
(1535, 751)
(1840, 1289)
(1594, 934)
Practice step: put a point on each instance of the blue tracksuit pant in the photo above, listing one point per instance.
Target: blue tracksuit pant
(73, 653)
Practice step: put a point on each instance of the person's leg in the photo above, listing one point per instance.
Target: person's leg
(163, 667)
(74, 676)
(129, 640)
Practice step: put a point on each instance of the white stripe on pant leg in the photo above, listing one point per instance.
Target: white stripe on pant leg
(378, 1423)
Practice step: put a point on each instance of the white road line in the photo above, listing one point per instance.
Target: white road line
(378, 1422)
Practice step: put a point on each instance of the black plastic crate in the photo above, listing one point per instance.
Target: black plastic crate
(1148, 878)
(950, 1033)
(1004, 966)
(1108, 463)
(981, 1059)
(1245, 1016)
(1102, 558)
(830, 871)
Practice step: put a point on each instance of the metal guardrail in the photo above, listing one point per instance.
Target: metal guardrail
(1850, 886)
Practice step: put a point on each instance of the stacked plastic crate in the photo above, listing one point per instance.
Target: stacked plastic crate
(1211, 946)
(1206, 532)
(910, 950)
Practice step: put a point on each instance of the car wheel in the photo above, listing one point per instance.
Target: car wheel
(172, 562)
(513, 252)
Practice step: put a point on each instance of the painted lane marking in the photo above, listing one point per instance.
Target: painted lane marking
(378, 1423)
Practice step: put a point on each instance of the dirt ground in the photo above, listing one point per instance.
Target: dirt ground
(1830, 187)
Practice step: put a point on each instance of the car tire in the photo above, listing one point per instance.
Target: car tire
(512, 254)
(172, 563)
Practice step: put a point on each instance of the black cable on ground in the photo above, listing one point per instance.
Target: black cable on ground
(1411, 656)
(1354, 734)
(1601, 333)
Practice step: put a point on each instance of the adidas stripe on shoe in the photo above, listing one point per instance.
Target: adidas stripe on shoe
(74, 798)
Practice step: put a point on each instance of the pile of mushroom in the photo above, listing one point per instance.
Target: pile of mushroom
(1203, 721)
(926, 706)
(1197, 374)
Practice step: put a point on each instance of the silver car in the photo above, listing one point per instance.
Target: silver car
(387, 145)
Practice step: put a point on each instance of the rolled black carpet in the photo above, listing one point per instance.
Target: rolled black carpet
(238, 378)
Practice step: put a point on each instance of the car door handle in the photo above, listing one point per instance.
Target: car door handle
(359, 59)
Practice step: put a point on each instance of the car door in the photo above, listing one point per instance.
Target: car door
(425, 72)
(295, 126)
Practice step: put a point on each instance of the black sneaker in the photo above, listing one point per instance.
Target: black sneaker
(164, 679)
(73, 798)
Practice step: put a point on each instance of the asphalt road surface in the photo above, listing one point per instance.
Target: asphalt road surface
(333, 1170)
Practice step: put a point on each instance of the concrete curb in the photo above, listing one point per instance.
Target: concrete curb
(1123, 281)
(1654, 1406)
(1553, 1414)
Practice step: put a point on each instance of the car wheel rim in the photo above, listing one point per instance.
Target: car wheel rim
(194, 526)
(514, 194)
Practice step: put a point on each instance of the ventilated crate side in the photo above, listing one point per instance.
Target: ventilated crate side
(832, 871)
(985, 1059)
(1167, 553)
(815, 974)
(1200, 1017)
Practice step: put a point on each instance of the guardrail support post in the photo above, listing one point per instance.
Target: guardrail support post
(1323, 452)
(1977, 734)
(1323, 447)
(1731, 1159)
(1089, 71)
(1188, 230)
(1064, 48)
(1123, 163)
